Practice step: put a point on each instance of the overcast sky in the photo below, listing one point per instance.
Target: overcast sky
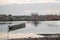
(27, 1)
(8, 7)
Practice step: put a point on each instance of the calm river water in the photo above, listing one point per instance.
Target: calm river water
(31, 27)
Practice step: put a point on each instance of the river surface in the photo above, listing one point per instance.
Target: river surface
(41, 27)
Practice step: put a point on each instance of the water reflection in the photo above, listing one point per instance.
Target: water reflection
(35, 26)
(47, 23)
(35, 23)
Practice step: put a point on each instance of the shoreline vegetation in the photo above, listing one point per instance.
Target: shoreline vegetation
(32, 17)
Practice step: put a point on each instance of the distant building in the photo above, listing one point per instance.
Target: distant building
(34, 16)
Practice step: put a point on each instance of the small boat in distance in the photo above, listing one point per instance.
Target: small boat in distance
(5, 23)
